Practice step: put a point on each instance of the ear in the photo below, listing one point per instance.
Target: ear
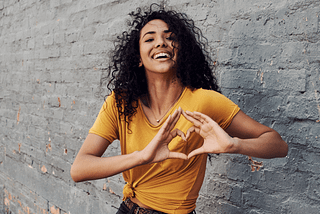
(140, 63)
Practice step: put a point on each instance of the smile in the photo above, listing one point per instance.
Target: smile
(161, 55)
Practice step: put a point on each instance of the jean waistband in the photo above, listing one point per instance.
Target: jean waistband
(135, 209)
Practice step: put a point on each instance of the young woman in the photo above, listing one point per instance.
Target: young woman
(167, 112)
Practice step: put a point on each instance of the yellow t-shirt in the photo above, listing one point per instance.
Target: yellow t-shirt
(171, 186)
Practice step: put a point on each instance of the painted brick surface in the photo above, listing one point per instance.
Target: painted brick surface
(53, 53)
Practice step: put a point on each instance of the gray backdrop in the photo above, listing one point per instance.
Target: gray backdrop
(52, 54)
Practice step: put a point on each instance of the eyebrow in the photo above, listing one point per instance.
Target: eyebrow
(153, 32)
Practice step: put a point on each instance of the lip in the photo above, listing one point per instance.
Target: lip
(159, 52)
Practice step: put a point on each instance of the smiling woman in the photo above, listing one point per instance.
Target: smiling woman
(157, 52)
(167, 112)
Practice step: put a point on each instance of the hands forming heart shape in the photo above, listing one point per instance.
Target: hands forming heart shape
(216, 140)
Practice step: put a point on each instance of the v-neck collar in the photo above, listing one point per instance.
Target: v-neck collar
(167, 114)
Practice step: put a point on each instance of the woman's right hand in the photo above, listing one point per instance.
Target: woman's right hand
(89, 164)
(157, 150)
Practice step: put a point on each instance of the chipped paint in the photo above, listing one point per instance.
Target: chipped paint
(18, 115)
(7, 202)
(255, 165)
(48, 146)
(261, 77)
(44, 169)
(53, 210)
(111, 191)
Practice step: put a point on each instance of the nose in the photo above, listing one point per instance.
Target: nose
(160, 42)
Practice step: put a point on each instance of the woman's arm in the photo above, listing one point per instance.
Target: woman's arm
(89, 165)
(254, 139)
(248, 137)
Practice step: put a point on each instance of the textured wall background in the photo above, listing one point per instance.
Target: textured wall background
(52, 54)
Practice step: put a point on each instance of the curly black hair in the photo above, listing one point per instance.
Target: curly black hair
(128, 80)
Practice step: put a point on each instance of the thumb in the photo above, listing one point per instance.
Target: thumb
(195, 152)
(178, 155)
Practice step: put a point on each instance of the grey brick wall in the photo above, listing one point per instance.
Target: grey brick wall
(53, 53)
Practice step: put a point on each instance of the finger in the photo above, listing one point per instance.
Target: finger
(178, 155)
(196, 152)
(189, 131)
(165, 125)
(192, 129)
(176, 132)
(190, 116)
(176, 117)
(203, 117)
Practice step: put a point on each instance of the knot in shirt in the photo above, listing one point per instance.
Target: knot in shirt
(128, 191)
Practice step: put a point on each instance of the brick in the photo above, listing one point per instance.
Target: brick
(314, 189)
(218, 189)
(48, 40)
(253, 54)
(302, 107)
(54, 3)
(294, 207)
(66, 1)
(72, 36)
(292, 80)
(236, 195)
(248, 79)
(256, 198)
(241, 174)
(224, 55)
(229, 208)
(256, 26)
(77, 49)
(278, 181)
(53, 51)
(96, 47)
(59, 37)
(206, 205)
(292, 51)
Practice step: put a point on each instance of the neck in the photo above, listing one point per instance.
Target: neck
(164, 90)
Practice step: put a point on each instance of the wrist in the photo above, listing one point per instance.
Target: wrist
(139, 157)
(236, 144)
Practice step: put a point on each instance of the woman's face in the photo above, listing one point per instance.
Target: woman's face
(156, 47)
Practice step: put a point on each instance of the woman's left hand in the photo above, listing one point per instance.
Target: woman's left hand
(216, 140)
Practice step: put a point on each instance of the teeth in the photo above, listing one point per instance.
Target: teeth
(161, 55)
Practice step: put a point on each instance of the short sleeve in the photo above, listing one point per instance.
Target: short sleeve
(106, 124)
(222, 110)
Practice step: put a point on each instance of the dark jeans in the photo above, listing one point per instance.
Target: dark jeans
(123, 209)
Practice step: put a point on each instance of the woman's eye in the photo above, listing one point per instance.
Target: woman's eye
(149, 40)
